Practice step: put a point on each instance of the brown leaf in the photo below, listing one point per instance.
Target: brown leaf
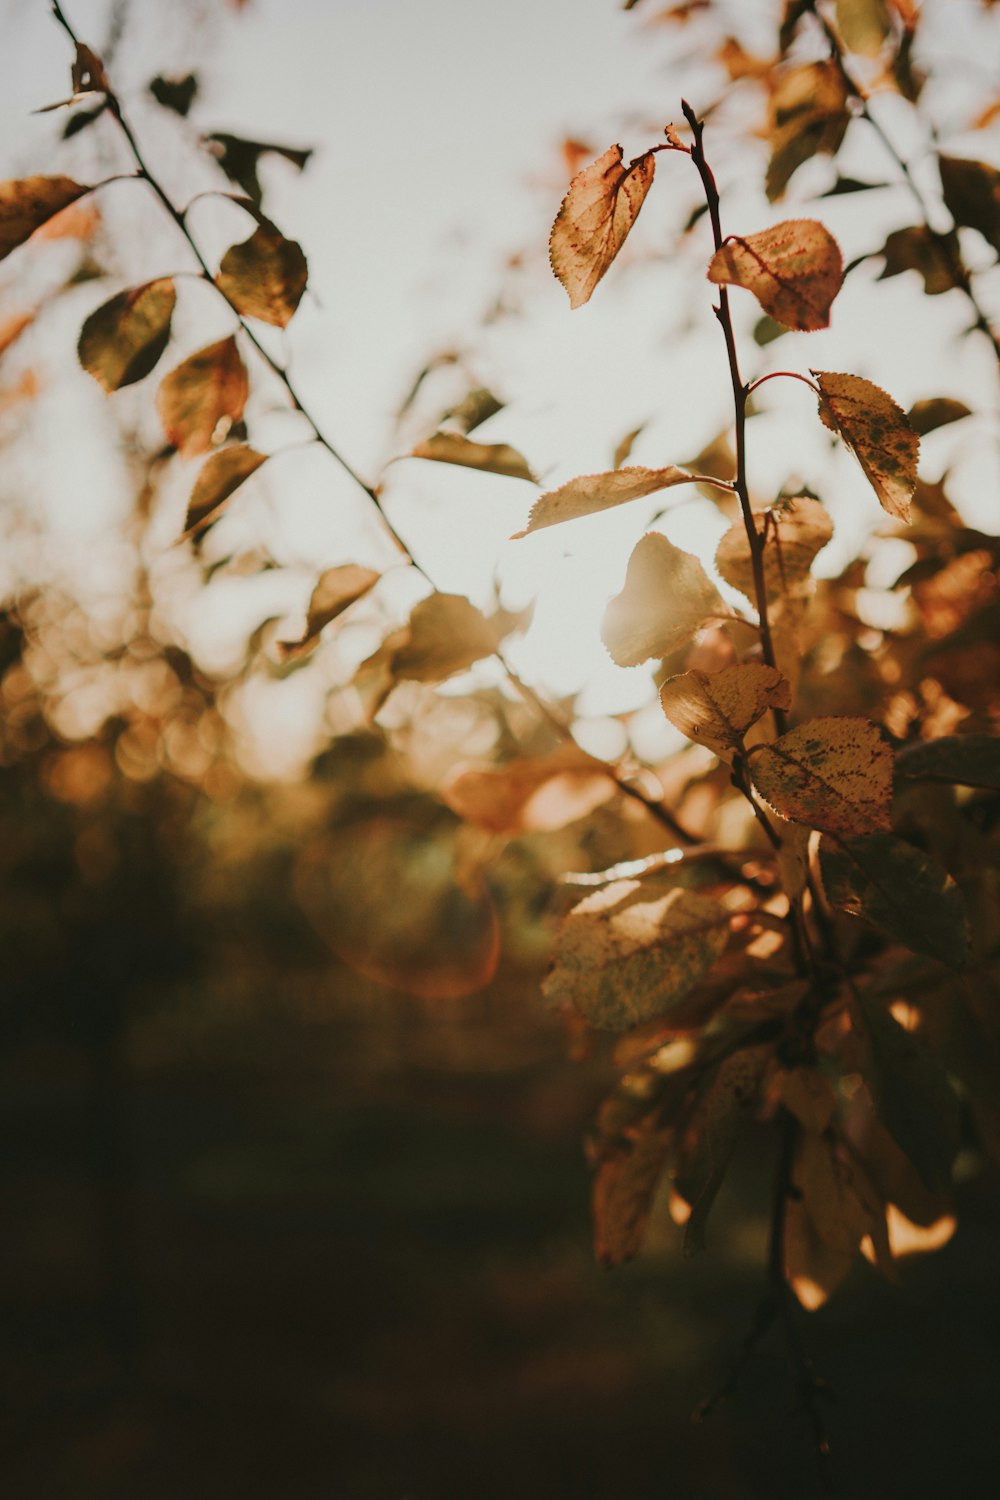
(667, 596)
(208, 388)
(493, 458)
(624, 1188)
(834, 774)
(794, 531)
(265, 276)
(972, 193)
(840, 1202)
(594, 220)
(920, 249)
(123, 339)
(808, 115)
(793, 269)
(219, 476)
(810, 1097)
(28, 202)
(591, 493)
(936, 411)
(723, 1113)
(717, 709)
(337, 589)
(446, 634)
(633, 949)
(530, 795)
(877, 432)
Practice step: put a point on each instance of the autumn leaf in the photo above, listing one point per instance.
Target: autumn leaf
(124, 338)
(794, 532)
(841, 1203)
(864, 25)
(920, 249)
(834, 774)
(877, 432)
(176, 94)
(446, 634)
(793, 269)
(936, 411)
(218, 478)
(716, 709)
(594, 220)
(337, 589)
(972, 195)
(899, 889)
(723, 1113)
(633, 949)
(209, 388)
(28, 202)
(809, 115)
(240, 158)
(624, 1188)
(265, 276)
(809, 1095)
(592, 493)
(667, 596)
(963, 759)
(532, 794)
(492, 458)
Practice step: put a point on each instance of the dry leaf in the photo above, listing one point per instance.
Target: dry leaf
(530, 795)
(877, 432)
(624, 1188)
(834, 774)
(28, 202)
(592, 493)
(446, 634)
(264, 277)
(337, 589)
(667, 596)
(716, 709)
(794, 531)
(218, 478)
(596, 215)
(208, 388)
(794, 270)
(493, 458)
(123, 339)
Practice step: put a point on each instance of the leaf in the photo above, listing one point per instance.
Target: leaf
(766, 330)
(972, 194)
(239, 159)
(899, 889)
(28, 202)
(534, 794)
(965, 759)
(793, 860)
(209, 388)
(624, 448)
(920, 249)
(624, 1188)
(264, 277)
(864, 25)
(794, 532)
(594, 220)
(475, 408)
(912, 1095)
(717, 709)
(218, 478)
(850, 185)
(123, 339)
(809, 1095)
(633, 949)
(809, 114)
(592, 493)
(493, 458)
(834, 774)
(176, 94)
(337, 589)
(937, 411)
(721, 1116)
(82, 119)
(793, 269)
(667, 596)
(841, 1204)
(878, 434)
(446, 634)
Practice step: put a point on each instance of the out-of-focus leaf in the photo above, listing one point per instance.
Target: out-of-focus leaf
(624, 1188)
(474, 409)
(920, 249)
(492, 458)
(841, 1203)
(530, 795)
(633, 949)
(667, 596)
(716, 709)
(899, 889)
(972, 193)
(592, 493)
(264, 277)
(337, 589)
(809, 115)
(937, 411)
(793, 269)
(82, 119)
(124, 338)
(28, 202)
(725, 1110)
(794, 531)
(850, 185)
(219, 477)
(210, 387)
(877, 432)
(864, 25)
(12, 328)
(966, 759)
(766, 330)
(446, 634)
(624, 448)
(834, 774)
(175, 93)
(809, 1095)
(239, 159)
(594, 220)
(793, 860)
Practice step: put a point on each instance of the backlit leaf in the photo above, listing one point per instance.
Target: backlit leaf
(877, 432)
(633, 949)
(337, 589)
(829, 773)
(623, 1193)
(864, 25)
(972, 193)
(794, 531)
(793, 269)
(937, 411)
(965, 759)
(218, 478)
(493, 458)
(591, 493)
(809, 114)
(920, 249)
(209, 388)
(123, 339)
(264, 277)
(722, 1114)
(841, 1203)
(899, 889)
(716, 709)
(532, 794)
(593, 222)
(446, 634)
(667, 596)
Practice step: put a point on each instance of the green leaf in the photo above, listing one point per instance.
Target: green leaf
(877, 432)
(972, 194)
(219, 477)
(834, 774)
(123, 339)
(633, 949)
(667, 596)
(265, 276)
(964, 759)
(592, 493)
(209, 388)
(492, 458)
(899, 889)
(29, 202)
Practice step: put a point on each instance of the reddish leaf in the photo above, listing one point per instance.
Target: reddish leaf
(208, 388)
(594, 220)
(794, 270)
(220, 476)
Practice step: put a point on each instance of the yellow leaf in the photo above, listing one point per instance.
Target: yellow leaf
(591, 493)
(793, 269)
(208, 388)
(794, 531)
(337, 590)
(264, 277)
(596, 215)
(716, 709)
(877, 432)
(533, 794)
(28, 202)
(834, 774)
(218, 477)
(667, 596)
(493, 458)
(123, 339)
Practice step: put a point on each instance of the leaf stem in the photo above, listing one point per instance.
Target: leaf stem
(755, 385)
